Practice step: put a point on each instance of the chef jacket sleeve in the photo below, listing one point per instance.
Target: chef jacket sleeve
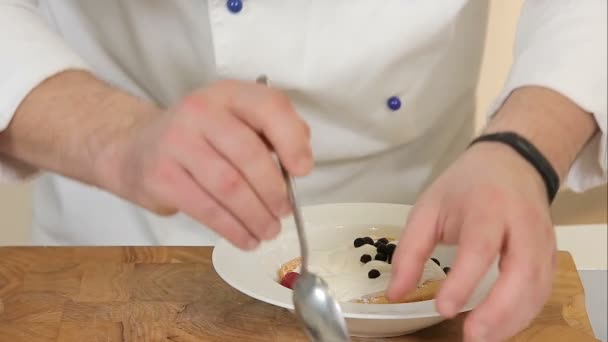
(30, 52)
(561, 45)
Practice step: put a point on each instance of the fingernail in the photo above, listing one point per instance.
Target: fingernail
(305, 164)
(390, 291)
(448, 308)
(252, 244)
(480, 333)
(272, 231)
(285, 209)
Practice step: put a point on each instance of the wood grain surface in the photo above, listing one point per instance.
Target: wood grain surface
(155, 294)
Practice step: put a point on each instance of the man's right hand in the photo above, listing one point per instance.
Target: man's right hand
(211, 157)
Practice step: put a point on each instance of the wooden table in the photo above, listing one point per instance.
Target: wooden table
(173, 294)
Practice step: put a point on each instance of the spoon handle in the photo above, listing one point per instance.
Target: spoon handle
(297, 215)
(291, 189)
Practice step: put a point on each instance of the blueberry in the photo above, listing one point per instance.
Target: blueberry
(390, 258)
(381, 257)
(381, 248)
(383, 240)
(436, 261)
(391, 248)
(373, 274)
(446, 270)
(368, 240)
(358, 242)
(365, 258)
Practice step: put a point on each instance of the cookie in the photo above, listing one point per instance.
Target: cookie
(289, 266)
(426, 291)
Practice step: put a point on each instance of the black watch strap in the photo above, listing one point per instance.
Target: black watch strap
(531, 154)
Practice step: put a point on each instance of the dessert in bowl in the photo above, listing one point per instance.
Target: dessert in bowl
(360, 272)
(332, 230)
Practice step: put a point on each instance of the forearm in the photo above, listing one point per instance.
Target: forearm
(554, 124)
(69, 122)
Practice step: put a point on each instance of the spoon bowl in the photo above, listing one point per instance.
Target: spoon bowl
(317, 310)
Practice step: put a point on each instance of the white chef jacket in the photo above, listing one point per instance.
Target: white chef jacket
(339, 61)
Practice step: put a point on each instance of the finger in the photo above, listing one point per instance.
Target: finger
(511, 305)
(414, 249)
(269, 112)
(518, 295)
(479, 245)
(244, 149)
(179, 188)
(225, 183)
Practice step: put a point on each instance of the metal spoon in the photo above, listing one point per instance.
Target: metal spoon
(317, 310)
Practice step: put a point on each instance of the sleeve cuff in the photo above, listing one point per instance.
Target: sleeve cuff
(16, 86)
(561, 45)
(590, 167)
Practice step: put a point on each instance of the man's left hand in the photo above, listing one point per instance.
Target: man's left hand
(493, 205)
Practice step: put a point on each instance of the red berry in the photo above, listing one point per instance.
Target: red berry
(290, 279)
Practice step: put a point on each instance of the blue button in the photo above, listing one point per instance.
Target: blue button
(234, 6)
(394, 103)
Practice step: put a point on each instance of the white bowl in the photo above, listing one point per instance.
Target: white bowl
(255, 273)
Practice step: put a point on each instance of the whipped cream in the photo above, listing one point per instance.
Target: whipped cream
(346, 275)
